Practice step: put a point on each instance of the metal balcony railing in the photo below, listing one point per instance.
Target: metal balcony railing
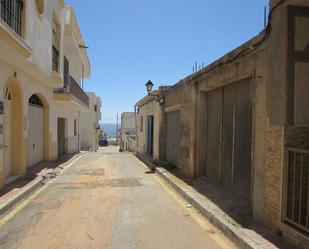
(297, 196)
(72, 87)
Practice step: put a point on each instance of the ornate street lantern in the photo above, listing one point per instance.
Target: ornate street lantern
(149, 86)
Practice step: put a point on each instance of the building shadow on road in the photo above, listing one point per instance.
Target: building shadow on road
(40, 169)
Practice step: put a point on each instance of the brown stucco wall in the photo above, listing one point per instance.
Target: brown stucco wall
(266, 65)
(179, 99)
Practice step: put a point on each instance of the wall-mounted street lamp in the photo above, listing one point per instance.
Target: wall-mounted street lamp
(159, 97)
(149, 86)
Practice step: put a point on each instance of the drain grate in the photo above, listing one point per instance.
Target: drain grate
(46, 204)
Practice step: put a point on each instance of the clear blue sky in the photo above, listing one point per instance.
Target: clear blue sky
(134, 41)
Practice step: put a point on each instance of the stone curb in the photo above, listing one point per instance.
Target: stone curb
(34, 185)
(207, 209)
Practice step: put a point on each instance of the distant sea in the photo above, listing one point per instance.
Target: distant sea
(110, 129)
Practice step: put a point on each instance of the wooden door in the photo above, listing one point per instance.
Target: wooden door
(61, 136)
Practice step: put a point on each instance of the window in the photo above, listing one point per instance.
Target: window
(55, 46)
(298, 67)
(95, 108)
(66, 72)
(142, 123)
(297, 209)
(75, 127)
(11, 13)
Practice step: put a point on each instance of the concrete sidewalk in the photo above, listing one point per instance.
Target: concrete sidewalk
(231, 215)
(23, 186)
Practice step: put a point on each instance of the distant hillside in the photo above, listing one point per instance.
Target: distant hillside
(109, 129)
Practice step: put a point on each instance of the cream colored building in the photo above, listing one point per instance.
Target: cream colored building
(42, 63)
(148, 126)
(90, 126)
(128, 131)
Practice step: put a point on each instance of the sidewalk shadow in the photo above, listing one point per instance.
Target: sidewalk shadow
(39, 169)
(235, 208)
(44, 167)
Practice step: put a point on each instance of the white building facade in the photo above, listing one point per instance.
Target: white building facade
(90, 124)
(42, 63)
(128, 132)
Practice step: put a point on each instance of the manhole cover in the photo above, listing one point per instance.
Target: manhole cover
(91, 172)
(46, 204)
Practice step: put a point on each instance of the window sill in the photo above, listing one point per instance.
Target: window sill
(14, 39)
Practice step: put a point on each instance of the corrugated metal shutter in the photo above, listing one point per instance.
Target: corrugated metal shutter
(214, 131)
(237, 138)
(243, 139)
(229, 137)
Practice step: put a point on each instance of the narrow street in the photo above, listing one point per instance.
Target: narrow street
(105, 200)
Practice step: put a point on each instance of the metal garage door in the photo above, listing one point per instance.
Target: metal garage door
(173, 137)
(214, 130)
(237, 138)
(229, 137)
(35, 134)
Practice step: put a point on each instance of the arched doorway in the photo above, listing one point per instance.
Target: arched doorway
(7, 133)
(35, 130)
(12, 130)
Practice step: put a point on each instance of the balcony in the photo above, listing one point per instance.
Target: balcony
(71, 87)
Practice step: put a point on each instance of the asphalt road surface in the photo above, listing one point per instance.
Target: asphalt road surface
(105, 200)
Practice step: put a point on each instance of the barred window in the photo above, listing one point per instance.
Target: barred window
(11, 13)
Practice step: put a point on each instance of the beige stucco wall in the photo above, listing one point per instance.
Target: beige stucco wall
(38, 33)
(90, 120)
(181, 99)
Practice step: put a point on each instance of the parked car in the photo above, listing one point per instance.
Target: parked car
(103, 142)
